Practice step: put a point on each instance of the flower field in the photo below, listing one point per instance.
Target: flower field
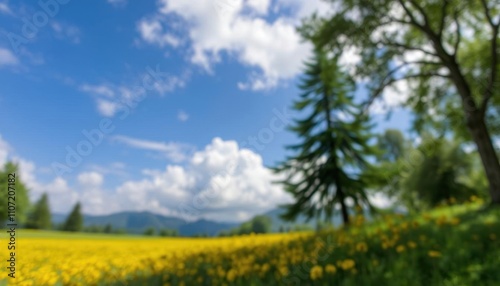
(450, 246)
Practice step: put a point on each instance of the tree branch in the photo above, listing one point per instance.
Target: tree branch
(400, 21)
(422, 12)
(458, 35)
(494, 70)
(443, 18)
(384, 85)
(413, 20)
(407, 47)
(487, 13)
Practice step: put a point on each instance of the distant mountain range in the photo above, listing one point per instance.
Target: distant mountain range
(138, 222)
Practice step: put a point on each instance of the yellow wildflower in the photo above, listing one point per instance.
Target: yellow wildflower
(361, 247)
(331, 269)
(316, 272)
(412, 244)
(283, 270)
(400, 248)
(433, 253)
(231, 275)
(347, 264)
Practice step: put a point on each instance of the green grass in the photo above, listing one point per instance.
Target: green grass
(49, 234)
(463, 249)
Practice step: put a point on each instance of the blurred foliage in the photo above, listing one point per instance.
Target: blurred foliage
(21, 197)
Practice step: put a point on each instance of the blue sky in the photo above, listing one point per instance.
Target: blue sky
(226, 73)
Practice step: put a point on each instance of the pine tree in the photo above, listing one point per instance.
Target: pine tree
(40, 218)
(325, 171)
(74, 222)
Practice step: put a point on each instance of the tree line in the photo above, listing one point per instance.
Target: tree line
(35, 215)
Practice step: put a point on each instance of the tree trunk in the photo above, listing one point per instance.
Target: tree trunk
(477, 127)
(343, 207)
(345, 214)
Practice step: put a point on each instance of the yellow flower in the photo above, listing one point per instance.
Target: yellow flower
(283, 270)
(433, 253)
(361, 247)
(347, 264)
(331, 269)
(316, 272)
(386, 244)
(412, 244)
(231, 275)
(400, 248)
(455, 221)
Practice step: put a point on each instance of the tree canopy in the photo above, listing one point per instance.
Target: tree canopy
(74, 222)
(40, 217)
(445, 53)
(21, 194)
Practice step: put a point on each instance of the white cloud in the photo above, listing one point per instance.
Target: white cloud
(222, 182)
(170, 84)
(115, 169)
(107, 108)
(95, 199)
(7, 58)
(4, 8)
(66, 31)
(182, 116)
(260, 6)
(110, 98)
(272, 49)
(102, 89)
(174, 151)
(152, 32)
(117, 2)
(90, 179)
(61, 196)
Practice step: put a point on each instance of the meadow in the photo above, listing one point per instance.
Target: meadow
(451, 245)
